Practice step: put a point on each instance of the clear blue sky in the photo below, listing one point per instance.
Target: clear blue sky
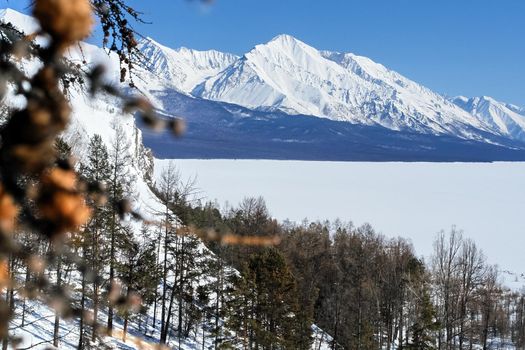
(467, 47)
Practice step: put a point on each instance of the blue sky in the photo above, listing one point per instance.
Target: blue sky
(467, 47)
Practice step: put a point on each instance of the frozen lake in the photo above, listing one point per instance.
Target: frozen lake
(412, 200)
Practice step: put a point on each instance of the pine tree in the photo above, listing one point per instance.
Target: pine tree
(241, 311)
(190, 271)
(120, 185)
(139, 271)
(268, 303)
(63, 151)
(221, 287)
(424, 329)
(167, 190)
(96, 169)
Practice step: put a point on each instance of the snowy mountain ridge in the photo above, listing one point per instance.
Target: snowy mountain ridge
(507, 118)
(183, 68)
(24, 23)
(288, 75)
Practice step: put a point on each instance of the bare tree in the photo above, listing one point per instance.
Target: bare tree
(445, 270)
(471, 264)
(488, 302)
(172, 190)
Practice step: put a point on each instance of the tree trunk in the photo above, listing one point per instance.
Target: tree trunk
(82, 308)
(112, 262)
(57, 315)
(170, 311)
(24, 305)
(181, 288)
(401, 327)
(217, 305)
(155, 301)
(95, 285)
(203, 326)
(486, 328)
(126, 314)
(163, 328)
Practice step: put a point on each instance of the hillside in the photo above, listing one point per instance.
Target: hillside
(96, 117)
(102, 116)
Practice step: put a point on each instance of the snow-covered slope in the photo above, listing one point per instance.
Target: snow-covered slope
(20, 21)
(507, 119)
(183, 68)
(288, 75)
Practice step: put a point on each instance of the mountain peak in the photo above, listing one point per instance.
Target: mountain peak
(148, 40)
(182, 67)
(488, 99)
(499, 116)
(284, 38)
(284, 47)
(285, 41)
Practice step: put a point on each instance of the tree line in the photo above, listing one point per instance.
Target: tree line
(365, 290)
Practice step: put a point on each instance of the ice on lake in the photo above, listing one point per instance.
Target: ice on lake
(413, 200)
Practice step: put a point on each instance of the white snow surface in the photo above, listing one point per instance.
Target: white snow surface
(183, 68)
(288, 75)
(507, 118)
(24, 23)
(411, 200)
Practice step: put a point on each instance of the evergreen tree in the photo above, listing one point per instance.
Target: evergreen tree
(96, 169)
(119, 186)
(241, 312)
(191, 271)
(139, 271)
(268, 306)
(425, 327)
(222, 279)
(63, 151)
(167, 189)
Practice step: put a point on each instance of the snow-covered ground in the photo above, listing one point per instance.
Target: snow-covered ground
(413, 200)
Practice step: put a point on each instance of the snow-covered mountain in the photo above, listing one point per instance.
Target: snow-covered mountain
(506, 118)
(289, 75)
(283, 76)
(361, 109)
(183, 68)
(20, 21)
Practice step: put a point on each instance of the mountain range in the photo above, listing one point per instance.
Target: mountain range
(287, 100)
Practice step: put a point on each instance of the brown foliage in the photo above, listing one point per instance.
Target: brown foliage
(67, 21)
(60, 202)
(8, 212)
